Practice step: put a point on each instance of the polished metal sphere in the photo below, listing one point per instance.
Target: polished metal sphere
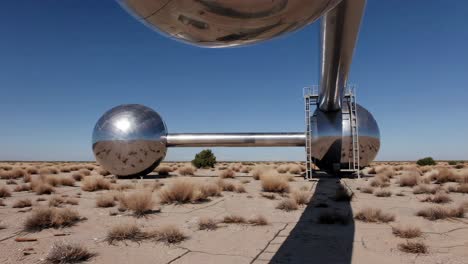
(130, 140)
(224, 23)
(332, 141)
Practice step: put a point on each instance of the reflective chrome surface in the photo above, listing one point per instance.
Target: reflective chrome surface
(236, 140)
(339, 32)
(129, 140)
(332, 142)
(224, 23)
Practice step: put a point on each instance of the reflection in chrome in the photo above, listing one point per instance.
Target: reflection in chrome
(129, 140)
(225, 23)
(332, 142)
(236, 140)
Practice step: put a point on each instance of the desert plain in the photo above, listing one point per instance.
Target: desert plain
(236, 212)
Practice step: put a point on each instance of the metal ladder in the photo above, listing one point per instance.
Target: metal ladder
(354, 161)
(310, 95)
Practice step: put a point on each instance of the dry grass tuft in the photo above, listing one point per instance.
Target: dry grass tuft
(4, 191)
(330, 218)
(95, 183)
(32, 170)
(85, 172)
(168, 234)
(438, 198)
(186, 170)
(259, 171)
(413, 247)
(374, 215)
(274, 183)
(295, 169)
(77, 176)
(406, 232)
(207, 224)
(445, 175)
(103, 172)
(51, 217)
(227, 174)
(234, 219)
(425, 188)
(438, 212)
(22, 188)
(462, 188)
(366, 189)
(287, 205)
(259, 220)
(56, 201)
(105, 200)
(22, 203)
(383, 193)
(40, 187)
(380, 181)
(2, 203)
(301, 197)
(68, 253)
(125, 231)
(182, 190)
(409, 179)
(140, 203)
(164, 170)
(270, 196)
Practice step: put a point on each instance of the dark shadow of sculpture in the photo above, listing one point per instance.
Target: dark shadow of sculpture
(312, 242)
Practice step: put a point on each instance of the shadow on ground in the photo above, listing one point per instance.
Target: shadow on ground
(311, 242)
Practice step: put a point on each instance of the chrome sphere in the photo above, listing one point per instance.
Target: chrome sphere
(130, 140)
(332, 142)
(224, 23)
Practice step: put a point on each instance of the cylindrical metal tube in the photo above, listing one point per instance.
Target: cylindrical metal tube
(236, 140)
(339, 32)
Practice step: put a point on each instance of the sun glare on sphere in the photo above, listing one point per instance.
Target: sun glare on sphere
(123, 124)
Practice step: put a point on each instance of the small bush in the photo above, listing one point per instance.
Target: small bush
(227, 174)
(186, 170)
(164, 170)
(301, 197)
(105, 200)
(258, 221)
(40, 187)
(56, 201)
(51, 217)
(85, 172)
(77, 176)
(22, 203)
(379, 181)
(168, 234)
(437, 212)
(409, 179)
(234, 219)
(4, 191)
(103, 172)
(22, 188)
(425, 188)
(331, 218)
(438, 198)
(207, 224)
(270, 196)
(428, 161)
(125, 231)
(374, 215)
(287, 204)
(181, 191)
(406, 232)
(95, 183)
(274, 183)
(204, 159)
(366, 189)
(383, 193)
(68, 253)
(140, 203)
(413, 247)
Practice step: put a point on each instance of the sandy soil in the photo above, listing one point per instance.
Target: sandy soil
(290, 237)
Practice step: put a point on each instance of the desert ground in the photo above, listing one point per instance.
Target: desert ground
(237, 212)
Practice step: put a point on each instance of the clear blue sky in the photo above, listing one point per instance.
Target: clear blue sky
(63, 63)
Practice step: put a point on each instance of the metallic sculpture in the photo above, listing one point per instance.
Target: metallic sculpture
(129, 140)
(226, 23)
(133, 139)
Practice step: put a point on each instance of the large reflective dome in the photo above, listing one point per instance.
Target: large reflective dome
(129, 140)
(224, 23)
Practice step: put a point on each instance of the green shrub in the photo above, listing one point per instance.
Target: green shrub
(453, 162)
(426, 162)
(204, 159)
